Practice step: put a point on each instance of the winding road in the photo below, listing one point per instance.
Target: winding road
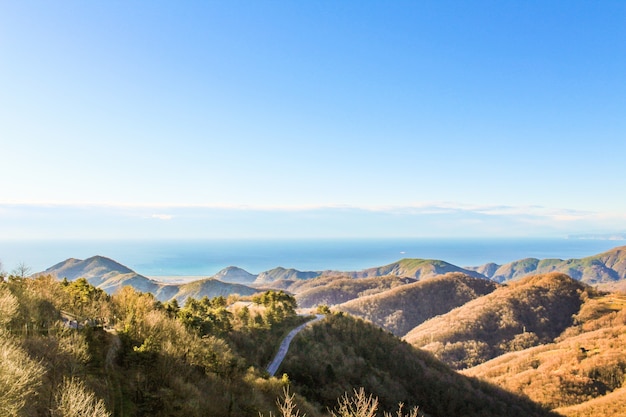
(284, 345)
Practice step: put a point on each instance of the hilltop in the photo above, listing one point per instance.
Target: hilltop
(111, 276)
(603, 269)
(332, 290)
(606, 271)
(402, 308)
(413, 268)
(525, 313)
(583, 372)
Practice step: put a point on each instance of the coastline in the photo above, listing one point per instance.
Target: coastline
(176, 279)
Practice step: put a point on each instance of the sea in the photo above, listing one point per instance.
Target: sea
(189, 259)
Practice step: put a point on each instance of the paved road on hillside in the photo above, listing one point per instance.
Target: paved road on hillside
(284, 345)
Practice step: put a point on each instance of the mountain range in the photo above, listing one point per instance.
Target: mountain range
(110, 276)
(606, 271)
(541, 328)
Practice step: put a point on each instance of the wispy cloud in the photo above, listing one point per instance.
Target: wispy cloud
(162, 216)
(440, 219)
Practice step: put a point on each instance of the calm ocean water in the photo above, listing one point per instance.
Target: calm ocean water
(205, 258)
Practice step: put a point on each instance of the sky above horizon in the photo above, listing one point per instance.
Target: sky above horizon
(215, 119)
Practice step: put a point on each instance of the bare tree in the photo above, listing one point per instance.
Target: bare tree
(359, 405)
(363, 405)
(8, 306)
(22, 270)
(19, 377)
(287, 406)
(74, 400)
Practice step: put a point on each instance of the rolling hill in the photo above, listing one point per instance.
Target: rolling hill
(235, 275)
(413, 268)
(584, 370)
(605, 268)
(110, 276)
(523, 314)
(283, 274)
(103, 273)
(606, 271)
(332, 290)
(342, 353)
(402, 308)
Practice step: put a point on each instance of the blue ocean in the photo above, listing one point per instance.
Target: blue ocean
(206, 257)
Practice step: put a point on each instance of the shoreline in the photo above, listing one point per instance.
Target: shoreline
(176, 279)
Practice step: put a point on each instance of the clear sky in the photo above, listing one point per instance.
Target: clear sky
(312, 118)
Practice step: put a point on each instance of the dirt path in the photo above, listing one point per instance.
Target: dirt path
(284, 345)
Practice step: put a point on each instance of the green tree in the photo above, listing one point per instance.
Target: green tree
(85, 300)
(206, 316)
(279, 305)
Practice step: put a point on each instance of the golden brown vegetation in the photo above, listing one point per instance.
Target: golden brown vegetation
(585, 369)
(402, 308)
(526, 313)
(332, 290)
(69, 349)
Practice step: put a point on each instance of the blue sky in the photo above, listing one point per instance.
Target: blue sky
(312, 119)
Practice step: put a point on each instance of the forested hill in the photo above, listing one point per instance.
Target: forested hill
(402, 308)
(605, 268)
(523, 314)
(111, 276)
(128, 354)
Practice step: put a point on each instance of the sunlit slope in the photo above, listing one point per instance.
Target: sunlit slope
(402, 308)
(111, 276)
(331, 290)
(605, 268)
(523, 314)
(583, 371)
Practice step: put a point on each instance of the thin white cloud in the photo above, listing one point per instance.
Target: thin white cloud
(162, 216)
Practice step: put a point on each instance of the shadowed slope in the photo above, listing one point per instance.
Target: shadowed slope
(341, 353)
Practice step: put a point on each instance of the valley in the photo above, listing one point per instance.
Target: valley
(420, 332)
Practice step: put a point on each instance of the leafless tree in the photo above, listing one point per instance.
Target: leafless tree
(74, 400)
(22, 270)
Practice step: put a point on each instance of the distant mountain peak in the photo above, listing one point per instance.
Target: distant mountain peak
(236, 275)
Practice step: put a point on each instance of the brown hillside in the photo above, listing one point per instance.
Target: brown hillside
(400, 309)
(523, 314)
(341, 353)
(584, 370)
(610, 405)
(336, 290)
